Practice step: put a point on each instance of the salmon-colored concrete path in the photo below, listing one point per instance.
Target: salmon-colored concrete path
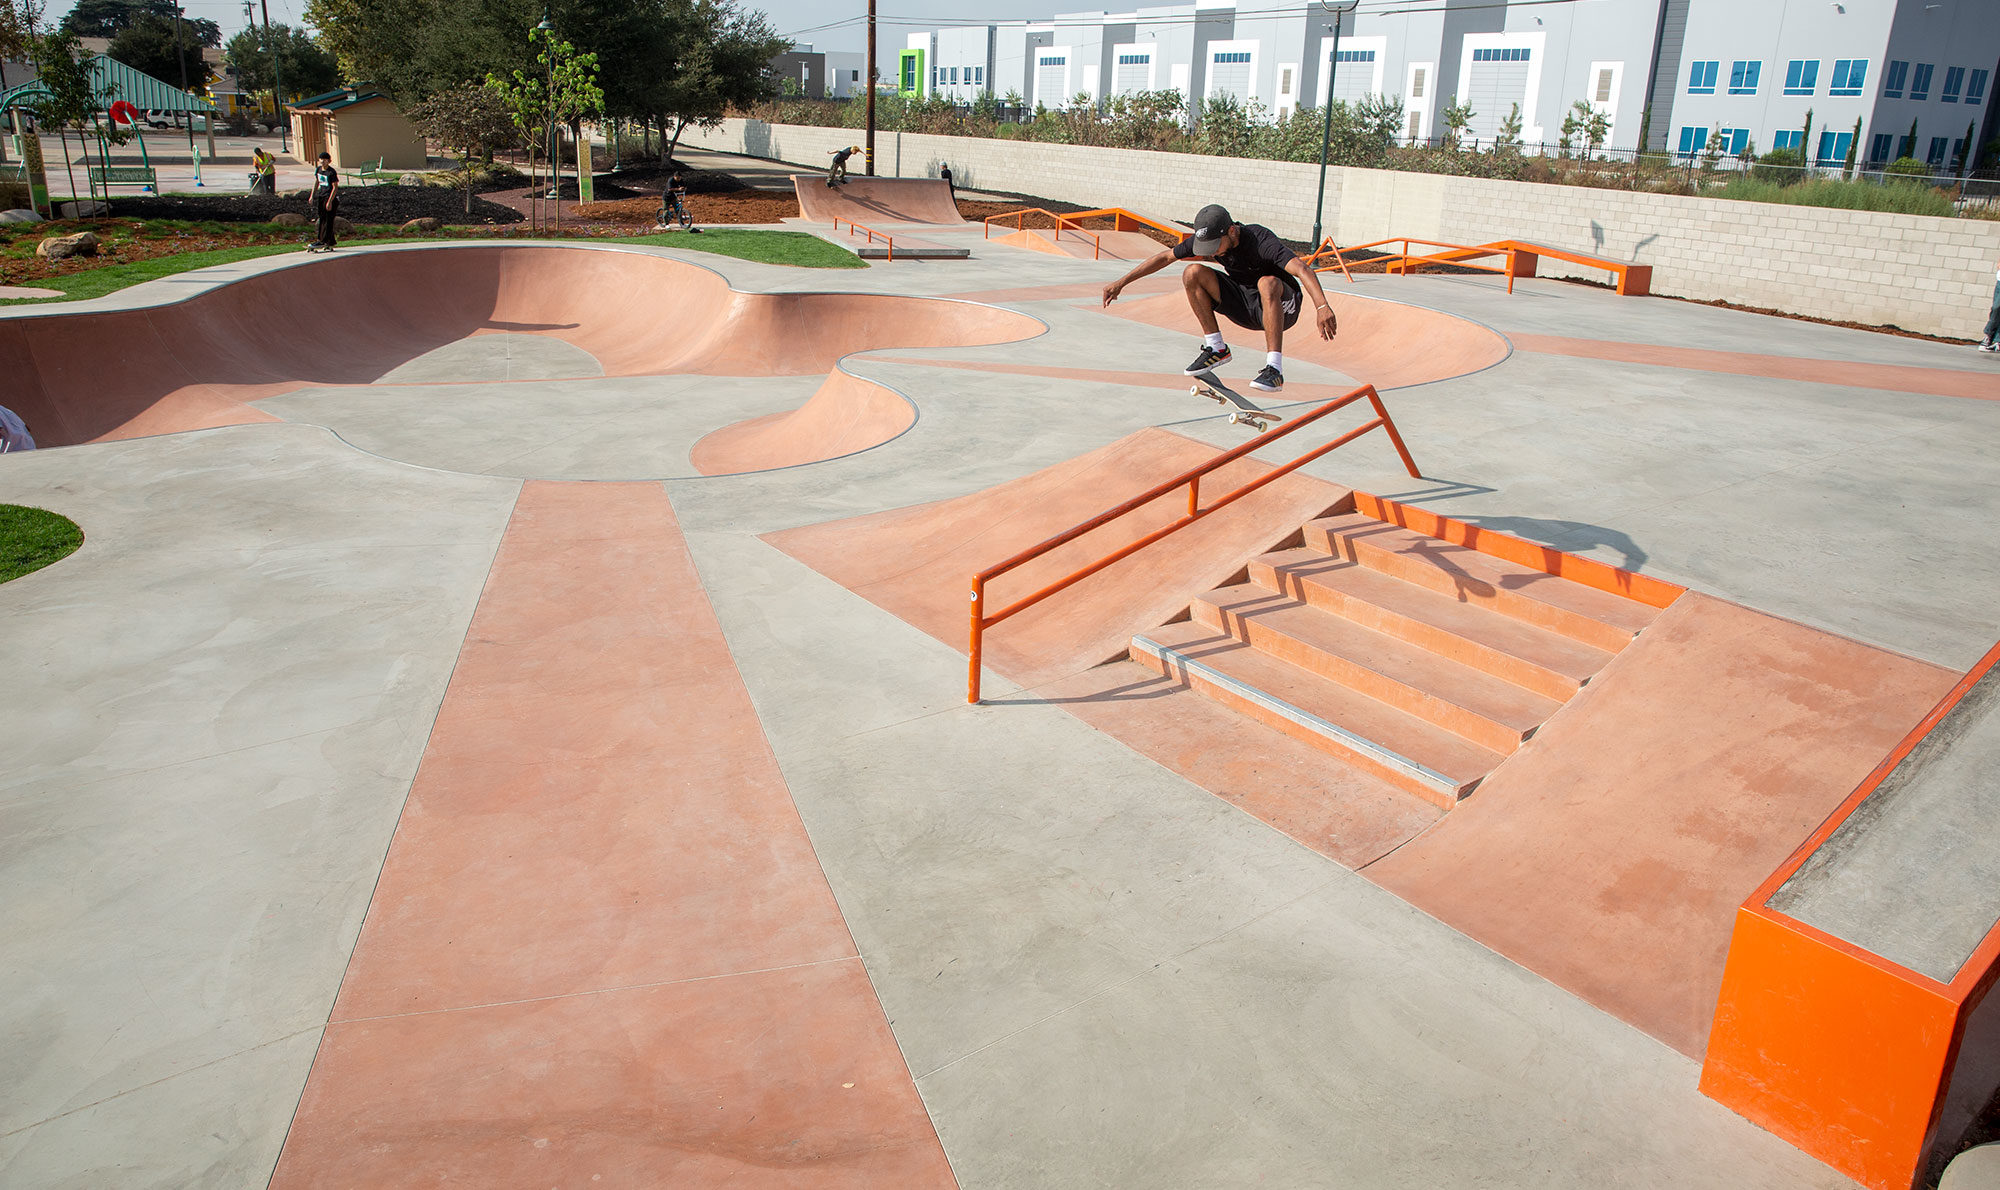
(516, 733)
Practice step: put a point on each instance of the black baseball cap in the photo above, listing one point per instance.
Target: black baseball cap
(1211, 223)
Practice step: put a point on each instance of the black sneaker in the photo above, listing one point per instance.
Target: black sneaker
(1269, 380)
(1208, 360)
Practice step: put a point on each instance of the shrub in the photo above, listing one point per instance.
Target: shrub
(1900, 198)
(1781, 167)
(1908, 167)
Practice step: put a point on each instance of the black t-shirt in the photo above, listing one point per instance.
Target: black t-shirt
(324, 180)
(1257, 254)
(841, 157)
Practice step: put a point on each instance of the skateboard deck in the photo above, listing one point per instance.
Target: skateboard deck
(1208, 384)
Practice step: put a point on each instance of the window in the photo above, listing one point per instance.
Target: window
(1692, 140)
(1833, 147)
(1975, 91)
(1603, 92)
(1518, 54)
(1285, 81)
(1954, 82)
(1346, 56)
(1940, 145)
(1241, 56)
(1920, 82)
(1787, 140)
(1046, 61)
(1907, 147)
(853, 76)
(1134, 59)
(1416, 125)
(1743, 77)
(953, 80)
(1417, 84)
(979, 74)
(1701, 78)
(1879, 148)
(1735, 141)
(1958, 150)
(1801, 76)
(1892, 83)
(1848, 76)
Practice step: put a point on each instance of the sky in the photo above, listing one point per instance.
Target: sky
(895, 19)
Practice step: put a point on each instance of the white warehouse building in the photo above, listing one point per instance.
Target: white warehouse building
(1684, 70)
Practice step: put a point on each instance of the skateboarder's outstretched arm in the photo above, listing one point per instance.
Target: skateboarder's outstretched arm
(1328, 324)
(1145, 268)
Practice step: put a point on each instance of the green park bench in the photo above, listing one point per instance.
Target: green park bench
(372, 172)
(108, 176)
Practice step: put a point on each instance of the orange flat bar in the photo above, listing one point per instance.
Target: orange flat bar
(1591, 573)
(1634, 280)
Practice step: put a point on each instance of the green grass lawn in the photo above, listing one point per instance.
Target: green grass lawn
(769, 247)
(31, 538)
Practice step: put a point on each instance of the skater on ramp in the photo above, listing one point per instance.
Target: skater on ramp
(1260, 287)
(838, 173)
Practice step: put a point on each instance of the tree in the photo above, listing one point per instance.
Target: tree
(470, 121)
(109, 18)
(153, 45)
(307, 67)
(72, 98)
(1457, 117)
(1509, 137)
(560, 88)
(714, 58)
(18, 19)
(1853, 148)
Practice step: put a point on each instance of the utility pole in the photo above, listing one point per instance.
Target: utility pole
(871, 88)
(277, 86)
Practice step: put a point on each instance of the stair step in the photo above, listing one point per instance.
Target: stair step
(1421, 757)
(1490, 711)
(1545, 662)
(1594, 617)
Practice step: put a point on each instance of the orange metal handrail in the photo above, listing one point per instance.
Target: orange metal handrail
(1192, 481)
(1124, 217)
(853, 227)
(1062, 221)
(1328, 246)
(1401, 261)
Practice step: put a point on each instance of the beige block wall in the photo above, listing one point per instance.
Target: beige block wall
(1920, 273)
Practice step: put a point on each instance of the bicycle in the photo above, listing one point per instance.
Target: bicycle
(673, 210)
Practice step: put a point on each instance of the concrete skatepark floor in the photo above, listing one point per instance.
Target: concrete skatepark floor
(392, 800)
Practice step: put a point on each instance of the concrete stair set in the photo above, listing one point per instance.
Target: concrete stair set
(1421, 661)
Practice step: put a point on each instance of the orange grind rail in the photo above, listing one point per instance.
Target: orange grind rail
(1851, 1057)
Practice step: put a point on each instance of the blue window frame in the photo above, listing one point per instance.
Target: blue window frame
(1062, 61)
(1954, 83)
(1906, 147)
(1517, 54)
(1237, 56)
(1940, 145)
(1833, 147)
(1739, 140)
(1743, 77)
(1879, 148)
(1787, 139)
(1920, 81)
(1892, 82)
(1701, 78)
(1849, 75)
(1135, 59)
(1357, 56)
(1802, 76)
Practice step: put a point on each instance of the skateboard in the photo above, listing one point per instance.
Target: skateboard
(319, 247)
(1208, 384)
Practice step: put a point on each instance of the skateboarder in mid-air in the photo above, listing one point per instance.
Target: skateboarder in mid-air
(1260, 287)
(838, 173)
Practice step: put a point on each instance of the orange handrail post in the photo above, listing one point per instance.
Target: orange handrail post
(1061, 221)
(853, 227)
(1191, 479)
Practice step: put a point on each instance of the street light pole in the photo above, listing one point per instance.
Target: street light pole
(1326, 135)
(277, 86)
(180, 51)
(870, 102)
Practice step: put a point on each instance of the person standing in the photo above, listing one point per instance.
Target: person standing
(944, 171)
(1260, 287)
(263, 172)
(1991, 341)
(14, 432)
(325, 201)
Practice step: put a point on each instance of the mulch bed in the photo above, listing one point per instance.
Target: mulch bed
(394, 205)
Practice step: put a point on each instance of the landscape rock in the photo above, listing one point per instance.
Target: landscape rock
(341, 226)
(291, 219)
(19, 217)
(410, 180)
(85, 209)
(83, 243)
(425, 224)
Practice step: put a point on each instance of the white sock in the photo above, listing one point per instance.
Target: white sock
(1276, 359)
(1215, 342)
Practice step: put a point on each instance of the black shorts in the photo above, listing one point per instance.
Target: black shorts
(1244, 306)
